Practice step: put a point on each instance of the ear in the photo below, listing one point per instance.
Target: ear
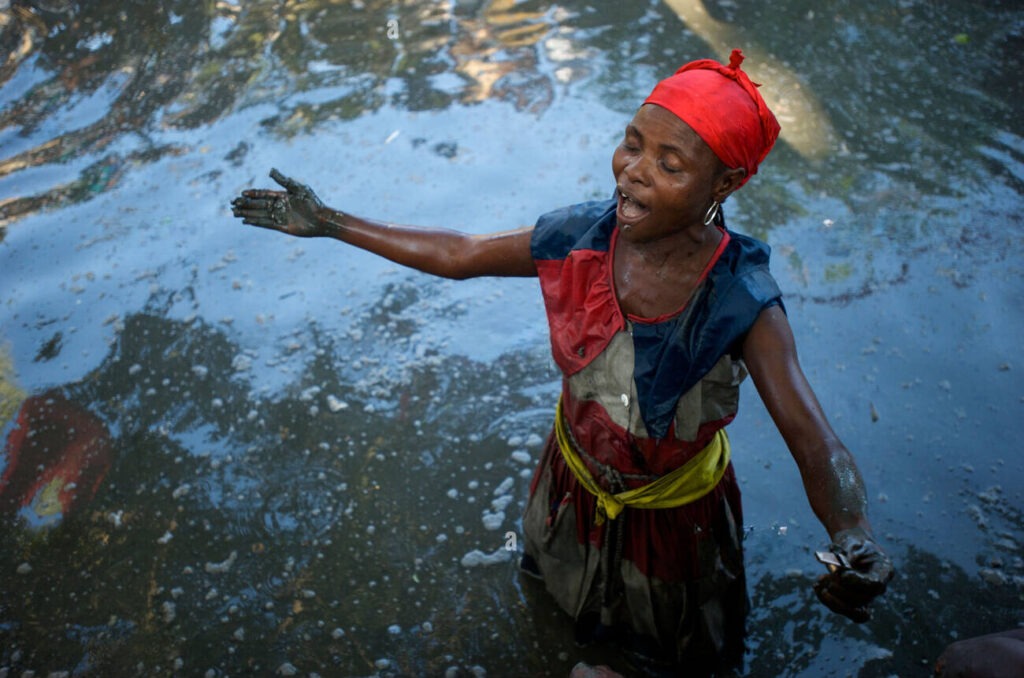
(727, 182)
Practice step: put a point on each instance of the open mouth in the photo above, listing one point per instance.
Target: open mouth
(630, 210)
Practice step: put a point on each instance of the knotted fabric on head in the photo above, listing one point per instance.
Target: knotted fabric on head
(724, 108)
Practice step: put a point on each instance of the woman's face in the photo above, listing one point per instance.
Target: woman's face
(666, 176)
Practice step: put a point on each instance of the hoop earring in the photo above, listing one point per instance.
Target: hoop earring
(712, 212)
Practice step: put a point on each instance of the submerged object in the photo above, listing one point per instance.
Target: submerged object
(57, 455)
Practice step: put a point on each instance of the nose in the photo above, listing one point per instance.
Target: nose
(637, 169)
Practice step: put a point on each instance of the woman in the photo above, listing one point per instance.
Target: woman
(657, 312)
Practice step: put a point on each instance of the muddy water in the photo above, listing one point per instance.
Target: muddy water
(242, 454)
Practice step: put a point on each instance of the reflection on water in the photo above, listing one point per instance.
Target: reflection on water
(230, 453)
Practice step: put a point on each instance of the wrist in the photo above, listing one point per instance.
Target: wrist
(329, 223)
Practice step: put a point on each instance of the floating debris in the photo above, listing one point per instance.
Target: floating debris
(477, 557)
(334, 404)
(221, 567)
(24, 568)
(287, 669)
(241, 363)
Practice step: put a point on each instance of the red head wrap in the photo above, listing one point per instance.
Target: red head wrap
(724, 108)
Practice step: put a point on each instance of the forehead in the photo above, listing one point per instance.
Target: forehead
(665, 128)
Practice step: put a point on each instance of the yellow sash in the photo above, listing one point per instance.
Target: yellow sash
(686, 484)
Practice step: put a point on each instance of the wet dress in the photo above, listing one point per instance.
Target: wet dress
(640, 397)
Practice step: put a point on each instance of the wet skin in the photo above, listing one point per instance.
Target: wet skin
(667, 178)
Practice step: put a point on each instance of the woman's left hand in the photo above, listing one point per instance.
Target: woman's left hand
(848, 591)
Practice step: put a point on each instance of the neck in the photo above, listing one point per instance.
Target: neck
(676, 247)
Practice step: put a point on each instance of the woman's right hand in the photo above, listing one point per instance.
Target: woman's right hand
(296, 210)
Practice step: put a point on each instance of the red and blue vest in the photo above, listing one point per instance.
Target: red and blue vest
(645, 394)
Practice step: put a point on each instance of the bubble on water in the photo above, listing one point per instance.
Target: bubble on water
(169, 611)
(181, 491)
(134, 369)
(453, 493)
(533, 440)
(493, 521)
(502, 502)
(473, 484)
(335, 404)
(505, 486)
(515, 441)
(24, 568)
(522, 456)
(200, 371)
(382, 664)
(394, 629)
(287, 669)
(239, 634)
(167, 536)
(338, 633)
(308, 394)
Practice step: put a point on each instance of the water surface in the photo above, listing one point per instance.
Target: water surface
(315, 460)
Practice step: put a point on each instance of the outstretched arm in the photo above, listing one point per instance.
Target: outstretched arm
(297, 211)
(831, 480)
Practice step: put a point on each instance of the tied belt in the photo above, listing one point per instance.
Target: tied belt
(684, 485)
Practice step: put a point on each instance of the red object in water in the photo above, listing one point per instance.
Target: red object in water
(57, 455)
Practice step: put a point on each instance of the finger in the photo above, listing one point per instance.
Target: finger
(864, 584)
(262, 222)
(851, 592)
(827, 595)
(288, 184)
(262, 193)
(252, 204)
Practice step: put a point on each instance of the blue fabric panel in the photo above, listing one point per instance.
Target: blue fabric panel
(673, 356)
(588, 225)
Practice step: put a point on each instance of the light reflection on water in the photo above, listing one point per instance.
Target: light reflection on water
(305, 442)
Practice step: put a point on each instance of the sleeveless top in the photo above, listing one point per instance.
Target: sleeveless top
(643, 395)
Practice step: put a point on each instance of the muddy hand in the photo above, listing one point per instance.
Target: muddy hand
(848, 591)
(294, 211)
